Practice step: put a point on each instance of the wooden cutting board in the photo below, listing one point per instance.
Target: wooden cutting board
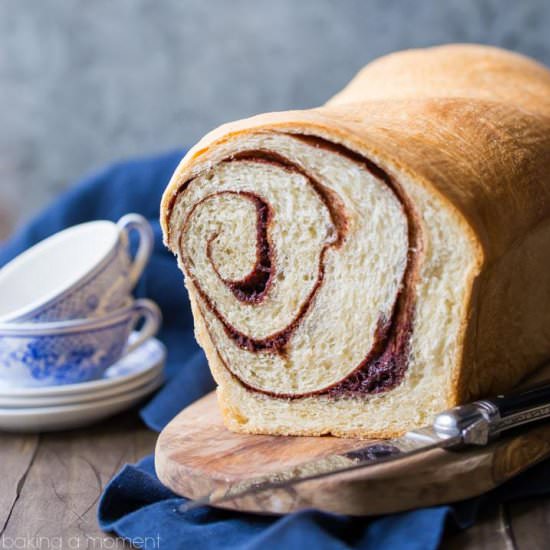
(196, 454)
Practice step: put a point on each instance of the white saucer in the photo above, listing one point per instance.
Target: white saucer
(39, 419)
(85, 397)
(135, 366)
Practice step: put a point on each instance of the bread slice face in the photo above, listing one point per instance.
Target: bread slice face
(344, 264)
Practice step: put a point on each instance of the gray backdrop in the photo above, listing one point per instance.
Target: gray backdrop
(83, 83)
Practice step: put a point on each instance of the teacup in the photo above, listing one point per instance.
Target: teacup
(82, 272)
(68, 352)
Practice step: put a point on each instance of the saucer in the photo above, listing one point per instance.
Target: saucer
(40, 419)
(85, 397)
(136, 365)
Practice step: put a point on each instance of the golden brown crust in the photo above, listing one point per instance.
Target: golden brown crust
(471, 125)
(452, 71)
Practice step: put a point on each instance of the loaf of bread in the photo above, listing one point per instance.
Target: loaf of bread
(356, 268)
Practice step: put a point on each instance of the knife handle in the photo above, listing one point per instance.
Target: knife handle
(478, 422)
(523, 407)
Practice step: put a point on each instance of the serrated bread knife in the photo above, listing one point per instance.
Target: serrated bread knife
(474, 424)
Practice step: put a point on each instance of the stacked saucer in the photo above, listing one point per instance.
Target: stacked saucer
(48, 408)
(71, 351)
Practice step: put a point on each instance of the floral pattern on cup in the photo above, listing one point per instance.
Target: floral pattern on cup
(74, 351)
(75, 359)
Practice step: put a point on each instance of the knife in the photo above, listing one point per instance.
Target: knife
(473, 424)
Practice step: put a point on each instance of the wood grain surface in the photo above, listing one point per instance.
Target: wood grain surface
(64, 506)
(196, 455)
(50, 484)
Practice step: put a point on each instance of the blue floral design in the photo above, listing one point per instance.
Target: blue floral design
(63, 359)
(77, 363)
(38, 357)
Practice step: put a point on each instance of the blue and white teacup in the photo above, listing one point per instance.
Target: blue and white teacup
(69, 352)
(82, 272)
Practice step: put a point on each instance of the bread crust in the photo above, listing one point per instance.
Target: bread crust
(480, 143)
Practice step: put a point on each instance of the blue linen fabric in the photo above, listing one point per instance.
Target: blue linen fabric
(135, 504)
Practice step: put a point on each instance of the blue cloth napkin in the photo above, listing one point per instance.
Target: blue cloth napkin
(135, 504)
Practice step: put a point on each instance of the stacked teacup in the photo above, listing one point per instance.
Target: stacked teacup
(72, 337)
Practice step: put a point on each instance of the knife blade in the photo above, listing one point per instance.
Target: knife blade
(475, 423)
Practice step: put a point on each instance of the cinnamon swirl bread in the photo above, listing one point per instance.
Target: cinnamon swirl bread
(356, 268)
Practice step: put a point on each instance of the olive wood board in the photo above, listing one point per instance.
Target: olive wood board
(196, 455)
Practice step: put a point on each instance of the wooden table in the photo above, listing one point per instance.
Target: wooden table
(50, 485)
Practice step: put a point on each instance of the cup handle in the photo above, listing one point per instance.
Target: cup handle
(150, 312)
(136, 222)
